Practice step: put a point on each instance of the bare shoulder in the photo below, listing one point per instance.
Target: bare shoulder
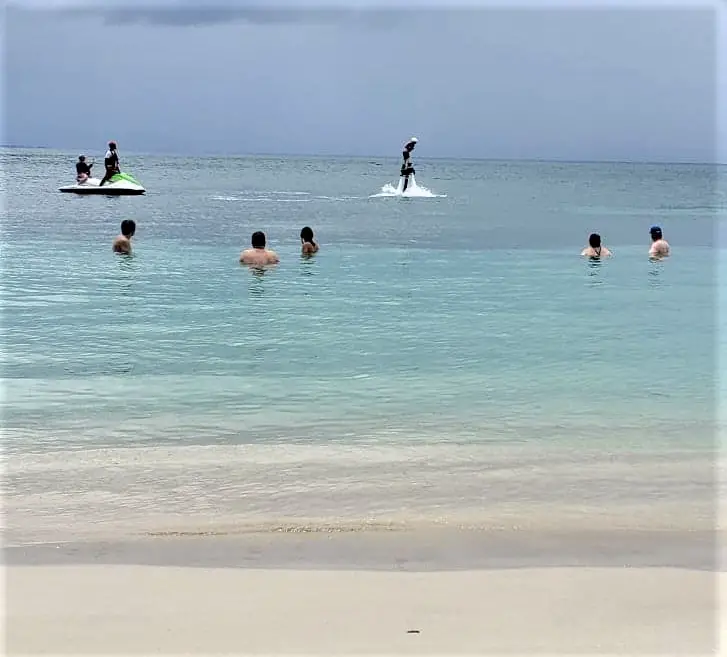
(273, 257)
(660, 248)
(121, 244)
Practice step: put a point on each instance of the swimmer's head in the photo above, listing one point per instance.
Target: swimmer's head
(655, 232)
(128, 227)
(594, 240)
(112, 145)
(258, 240)
(81, 158)
(306, 234)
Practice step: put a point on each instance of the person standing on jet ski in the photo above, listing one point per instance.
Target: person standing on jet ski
(407, 168)
(83, 169)
(111, 162)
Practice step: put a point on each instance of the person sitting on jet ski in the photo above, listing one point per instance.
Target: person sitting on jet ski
(111, 162)
(83, 169)
(407, 168)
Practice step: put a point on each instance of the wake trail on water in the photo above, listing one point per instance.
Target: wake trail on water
(412, 191)
(276, 196)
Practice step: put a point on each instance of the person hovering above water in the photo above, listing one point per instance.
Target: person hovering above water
(122, 242)
(111, 162)
(595, 250)
(83, 169)
(309, 246)
(659, 246)
(407, 167)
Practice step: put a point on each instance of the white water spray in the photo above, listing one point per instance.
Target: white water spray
(412, 191)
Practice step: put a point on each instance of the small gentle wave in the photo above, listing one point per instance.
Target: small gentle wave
(261, 199)
(298, 198)
(116, 492)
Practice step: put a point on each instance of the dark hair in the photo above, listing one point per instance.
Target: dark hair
(258, 240)
(112, 144)
(594, 240)
(306, 234)
(655, 232)
(128, 227)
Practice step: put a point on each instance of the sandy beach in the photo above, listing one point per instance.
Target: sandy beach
(618, 558)
(152, 610)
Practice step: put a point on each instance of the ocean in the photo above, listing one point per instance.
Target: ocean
(445, 361)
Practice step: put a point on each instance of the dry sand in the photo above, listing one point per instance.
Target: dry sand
(153, 610)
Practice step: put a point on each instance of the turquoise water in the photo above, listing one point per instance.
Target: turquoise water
(466, 319)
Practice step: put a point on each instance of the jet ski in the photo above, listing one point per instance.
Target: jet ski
(120, 184)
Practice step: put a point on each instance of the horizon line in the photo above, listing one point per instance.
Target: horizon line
(543, 160)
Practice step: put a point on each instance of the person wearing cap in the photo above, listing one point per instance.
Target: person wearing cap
(111, 162)
(407, 168)
(659, 246)
(83, 169)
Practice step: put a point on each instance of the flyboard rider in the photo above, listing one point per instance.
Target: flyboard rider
(407, 167)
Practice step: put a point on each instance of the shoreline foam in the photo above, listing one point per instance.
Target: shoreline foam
(116, 494)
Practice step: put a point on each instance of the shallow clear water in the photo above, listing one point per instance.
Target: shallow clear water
(464, 318)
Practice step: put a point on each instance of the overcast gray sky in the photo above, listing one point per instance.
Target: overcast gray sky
(550, 83)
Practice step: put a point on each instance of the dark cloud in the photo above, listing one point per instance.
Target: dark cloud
(617, 84)
(181, 16)
(184, 15)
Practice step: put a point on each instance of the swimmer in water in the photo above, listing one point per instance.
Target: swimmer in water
(122, 242)
(659, 246)
(258, 255)
(309, 246)
(594, 250)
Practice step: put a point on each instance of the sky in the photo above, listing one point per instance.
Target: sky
(634, 81)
